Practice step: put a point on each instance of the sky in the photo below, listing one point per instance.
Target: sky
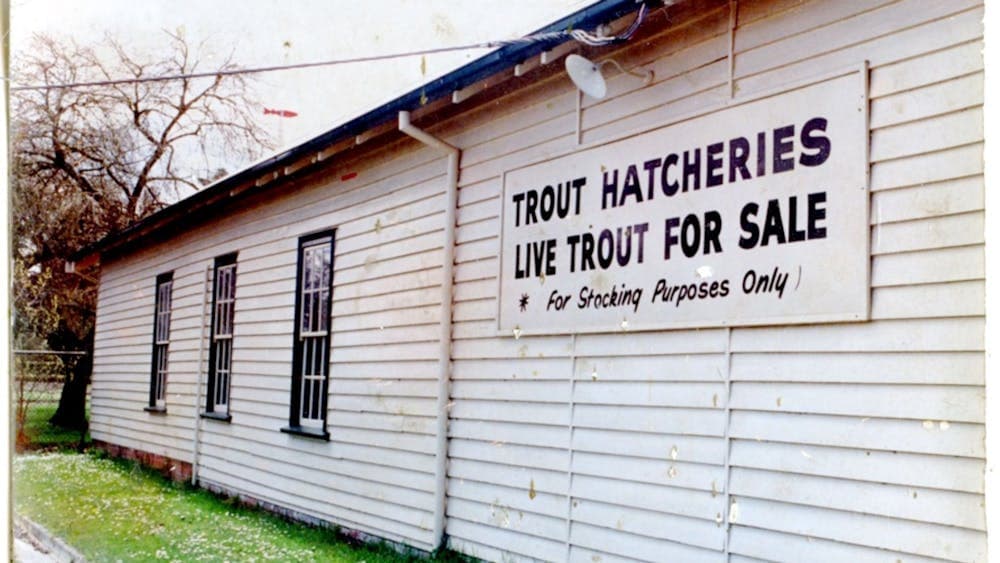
(274, 32)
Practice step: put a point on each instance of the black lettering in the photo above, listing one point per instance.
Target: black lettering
(692, 168)
(650, 166)
(624, 253)
(773, 226)
(783, 146)
(713, 227)
(739, 151)
(548, 203)
(761, 154)
(577, 184)
(669, 238)
(669, 188)
(587, 252)
(794, 233)
(530, 204)
(640, 231)
(713, 165)
(518, 198)
(631, 186)
(749, 226)
(610, 190)
(690, 244)
(816, 214)
(572, 241)
(819, 143)
(605, 252)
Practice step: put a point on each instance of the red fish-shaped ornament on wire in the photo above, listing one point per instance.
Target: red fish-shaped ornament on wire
(280, 112)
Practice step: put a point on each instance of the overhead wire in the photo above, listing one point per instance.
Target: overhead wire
(587, 38)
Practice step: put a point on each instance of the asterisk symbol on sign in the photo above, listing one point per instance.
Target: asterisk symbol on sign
(524, 302)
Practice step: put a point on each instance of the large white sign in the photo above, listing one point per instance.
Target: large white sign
(753, 214)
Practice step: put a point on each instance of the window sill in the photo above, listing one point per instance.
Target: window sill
(155, 410)
(222, 417)
(307, 432)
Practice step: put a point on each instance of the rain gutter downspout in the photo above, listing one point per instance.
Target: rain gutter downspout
(444, 338)
(196, 445)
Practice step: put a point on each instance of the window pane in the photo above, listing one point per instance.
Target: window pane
(312, 345)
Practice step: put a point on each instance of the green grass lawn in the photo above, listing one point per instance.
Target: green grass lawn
(42, 435)
(113, 510)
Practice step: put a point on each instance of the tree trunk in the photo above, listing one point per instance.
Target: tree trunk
(72, 410)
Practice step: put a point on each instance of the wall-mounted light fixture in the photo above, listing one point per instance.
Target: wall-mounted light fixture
(586, 75)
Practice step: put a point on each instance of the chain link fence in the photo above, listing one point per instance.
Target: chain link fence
(38, 380)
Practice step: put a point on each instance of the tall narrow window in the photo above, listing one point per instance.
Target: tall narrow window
(221, 353)
(161, 341)
(311, 362)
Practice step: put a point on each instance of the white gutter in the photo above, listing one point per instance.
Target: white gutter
(196, 446)
(444, 338)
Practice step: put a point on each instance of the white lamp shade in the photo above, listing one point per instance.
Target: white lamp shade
(587, 76)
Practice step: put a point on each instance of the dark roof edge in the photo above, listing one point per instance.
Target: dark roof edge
(487, 65)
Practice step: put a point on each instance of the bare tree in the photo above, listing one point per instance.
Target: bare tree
(90, 160)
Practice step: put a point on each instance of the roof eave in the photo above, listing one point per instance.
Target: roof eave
(485, 66)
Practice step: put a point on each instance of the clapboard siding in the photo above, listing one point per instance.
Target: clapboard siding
(385, 306)
(900, 397)
(843, 441)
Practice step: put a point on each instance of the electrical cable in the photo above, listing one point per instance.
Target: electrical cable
(585, 37)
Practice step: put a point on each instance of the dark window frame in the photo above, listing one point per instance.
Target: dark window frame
(295, 425)
(161, 344)
(211, 405)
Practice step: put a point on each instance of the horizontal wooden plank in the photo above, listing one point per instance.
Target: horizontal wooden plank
(503, 433)
(641, 548)
(932, 335)
(652, 343)
(509, 454)
(553, 413)
(529, 480)
(938, 66)
(664, 471)
(902, 44)
(652, 496)
(695, 449)
(841, 31)
(771, 545)
(695, 422)
(937, 166)
(511, 545)
(956, 368)
(495, 514)
(947, 508)
(763, 23)
(929, 266)
(526, 347)
(910, 436)
(949, 197)
(688, 394)
(512, 369)
(687, 367)
(523, 391)
(944, 97)
(912, 470)
(929, 540)
(956, 299)
(954, 129)
(927, 234)
(654, 524)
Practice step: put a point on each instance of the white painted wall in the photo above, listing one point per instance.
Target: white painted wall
(834, 442)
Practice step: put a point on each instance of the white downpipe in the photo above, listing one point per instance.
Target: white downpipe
(444, 338)
(196, 446)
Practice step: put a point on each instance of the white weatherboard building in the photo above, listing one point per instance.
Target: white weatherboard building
(734, 313)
